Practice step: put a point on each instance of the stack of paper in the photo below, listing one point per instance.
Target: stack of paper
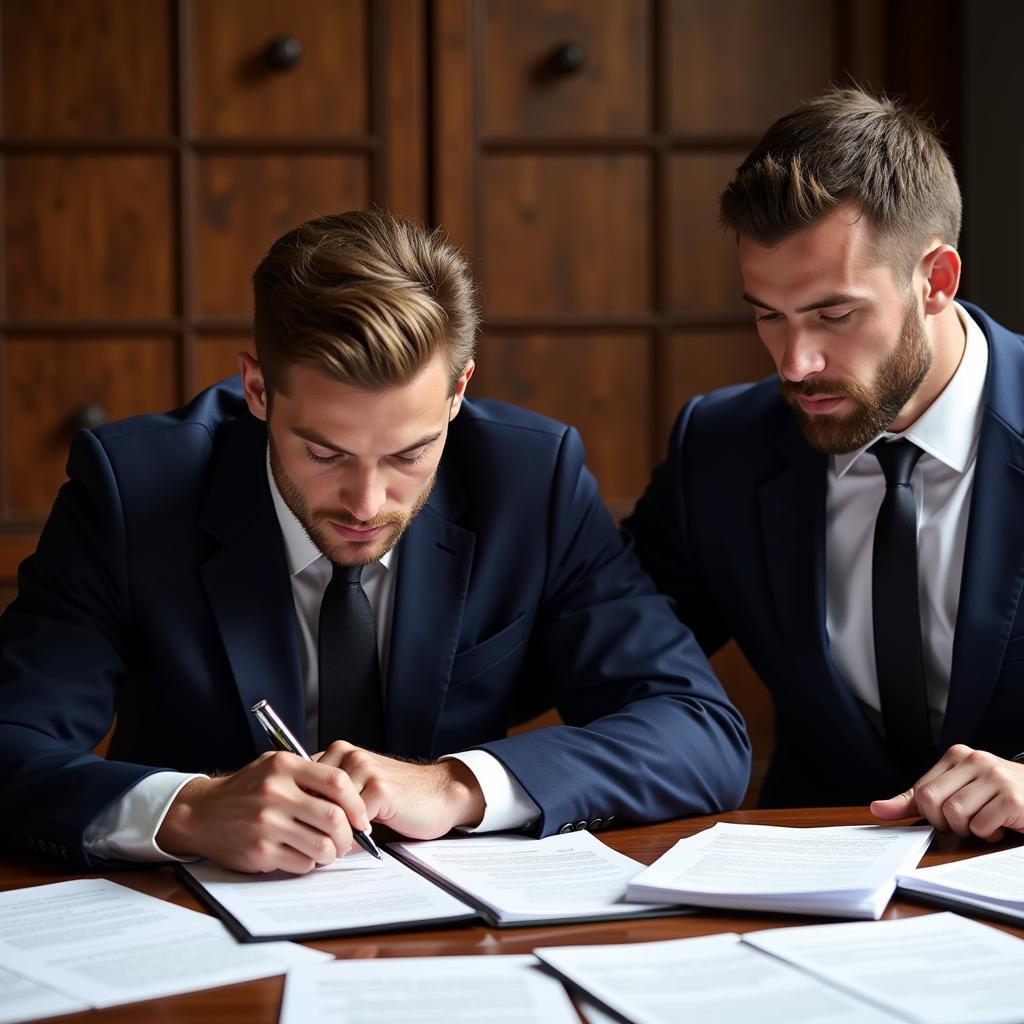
(847, 871)
(992, 884)
(94, 943)
(934, 969)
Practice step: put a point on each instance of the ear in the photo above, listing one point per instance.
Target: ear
(460, 390)
(941, 266)
(253, 386)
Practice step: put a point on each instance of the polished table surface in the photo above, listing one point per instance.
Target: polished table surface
(258, 1002)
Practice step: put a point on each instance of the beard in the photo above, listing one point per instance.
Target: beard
(897, 378)
(316, 522)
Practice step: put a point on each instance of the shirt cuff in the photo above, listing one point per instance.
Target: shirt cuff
(506, 803)
(127, 829)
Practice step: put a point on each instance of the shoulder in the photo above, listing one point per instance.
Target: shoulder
(744, 414)
(490, 429)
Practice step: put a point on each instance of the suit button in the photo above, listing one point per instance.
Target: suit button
(567, 827)
(51, 848)
(30, 843)
(609, 820)
(596, 824)
(581, 826)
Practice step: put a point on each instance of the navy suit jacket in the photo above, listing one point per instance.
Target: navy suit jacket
(159, 591)
(733, 528)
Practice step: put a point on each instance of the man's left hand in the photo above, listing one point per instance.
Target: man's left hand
(969, 792)
(421, 801)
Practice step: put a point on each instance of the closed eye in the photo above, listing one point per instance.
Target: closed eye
(837, 319)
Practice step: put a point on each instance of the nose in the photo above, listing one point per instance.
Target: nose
(365, 493)
(802, 355)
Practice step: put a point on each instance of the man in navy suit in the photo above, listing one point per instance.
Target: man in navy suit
(775, 519)
(476, 580)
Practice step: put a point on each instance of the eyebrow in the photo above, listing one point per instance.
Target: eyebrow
(314, 438)
(839, 299)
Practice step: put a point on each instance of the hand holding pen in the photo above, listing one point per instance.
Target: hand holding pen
(283, 739)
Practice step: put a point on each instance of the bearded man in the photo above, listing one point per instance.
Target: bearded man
(855, 522)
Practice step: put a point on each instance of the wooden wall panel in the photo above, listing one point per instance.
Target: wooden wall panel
(566, 234)
(735, 66)
(704, 275)
(238, 92)
(217, 357)
(51, 382)
(244, 203)
(87, 67)
(530, 85)
(90, 235)
(702, 359)
(599, 382)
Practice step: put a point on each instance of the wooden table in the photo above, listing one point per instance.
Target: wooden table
(258, 1002)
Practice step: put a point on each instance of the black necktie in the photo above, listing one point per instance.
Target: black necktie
(899, 656)
(350, 696)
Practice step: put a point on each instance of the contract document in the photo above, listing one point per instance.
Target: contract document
(713, 978)
(847, 871)
(991, 884)
(357, 893)
(101, 944)
(936, 969)
(428, 990)
(503, 879)
(518, 880)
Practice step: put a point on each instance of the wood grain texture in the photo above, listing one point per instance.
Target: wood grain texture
(87, 68)
(238, 93)
(48, 382)
(523, 95)
(90, 236)
(244, 203)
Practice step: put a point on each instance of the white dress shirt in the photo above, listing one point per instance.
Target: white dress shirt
(947, 433)
(127, 829)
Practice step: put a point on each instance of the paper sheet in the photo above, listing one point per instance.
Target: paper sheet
(427, 990)
(356, 891)
(713, 978)
(22, 999)
(937, 968)
(104, 944)
(563, 876)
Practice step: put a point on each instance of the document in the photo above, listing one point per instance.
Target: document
(714, 978)
(356, 893)
(937, 968)
(847, 871)
(22, 999)
(428, 990)
(991, 884)
(504, 879)
(102, 944)
(518, 880)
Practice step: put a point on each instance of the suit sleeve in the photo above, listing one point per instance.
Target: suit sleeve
(660, 531)
(649, 733)
(63, 655)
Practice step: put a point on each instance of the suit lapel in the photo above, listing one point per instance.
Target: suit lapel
(792, 509)
(994, 550)
(247, 581)
(434, 566)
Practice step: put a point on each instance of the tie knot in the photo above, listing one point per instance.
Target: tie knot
(350, 574)
(897, 459)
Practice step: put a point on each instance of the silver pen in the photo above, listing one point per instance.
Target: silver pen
(282, 738)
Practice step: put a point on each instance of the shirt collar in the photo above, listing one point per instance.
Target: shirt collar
(948, 428)
(298, 545)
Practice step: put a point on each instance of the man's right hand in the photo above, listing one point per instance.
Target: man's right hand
(278, 813)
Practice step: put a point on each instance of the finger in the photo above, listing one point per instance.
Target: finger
(335, 787)
(961, 806)
(901, 806)
(989, 821)
(334, 754)
(950, 759)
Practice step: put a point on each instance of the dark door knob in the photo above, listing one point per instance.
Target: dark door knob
(283, 53)
(568, 59)
(91, 415)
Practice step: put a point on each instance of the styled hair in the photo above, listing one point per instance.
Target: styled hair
(364, 297)
(846, 146)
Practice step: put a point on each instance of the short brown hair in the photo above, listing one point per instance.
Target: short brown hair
(847, 146)
(365, 297)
